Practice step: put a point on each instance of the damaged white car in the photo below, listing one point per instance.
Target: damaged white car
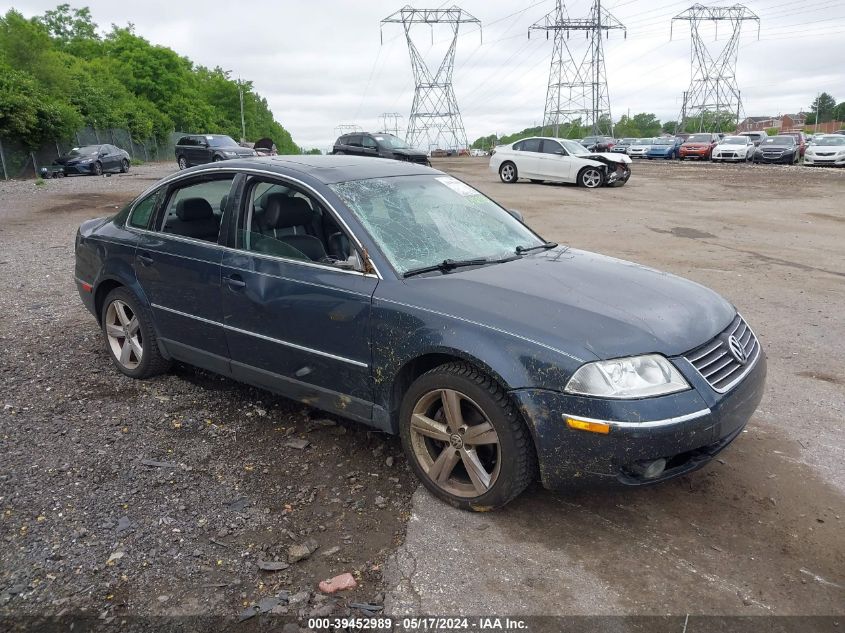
(559, 160)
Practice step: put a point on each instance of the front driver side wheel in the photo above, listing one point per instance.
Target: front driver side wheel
(130, 337)
(464, 438)
(508, 173)
(591, 177)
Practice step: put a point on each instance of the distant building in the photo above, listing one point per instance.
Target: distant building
(781, 122)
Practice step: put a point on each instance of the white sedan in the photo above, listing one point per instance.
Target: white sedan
(559, 160)
(828, 149)
(734, 149)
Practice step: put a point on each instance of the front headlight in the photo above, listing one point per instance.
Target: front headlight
(229, 154)
(634, 377)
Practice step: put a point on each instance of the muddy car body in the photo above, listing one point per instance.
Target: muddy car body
(392, 294)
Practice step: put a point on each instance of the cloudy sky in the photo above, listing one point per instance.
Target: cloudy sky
(322, 63)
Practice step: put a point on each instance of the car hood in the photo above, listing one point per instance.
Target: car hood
(586, 304)
(409, 152)
(605, 156)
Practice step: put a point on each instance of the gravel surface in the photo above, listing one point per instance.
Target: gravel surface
(181, 495)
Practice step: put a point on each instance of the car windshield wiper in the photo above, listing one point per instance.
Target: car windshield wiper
(526, 249)
(450, 264)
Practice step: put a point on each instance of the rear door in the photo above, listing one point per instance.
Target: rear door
(295, 322)
(528, 158)
(177, 264)
(369, 147)
(355, 147)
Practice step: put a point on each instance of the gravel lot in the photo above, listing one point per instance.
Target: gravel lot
(163, 497)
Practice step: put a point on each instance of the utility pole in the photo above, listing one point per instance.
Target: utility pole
(713, 88)
(435, 118)
(578, 90)
(243, 123)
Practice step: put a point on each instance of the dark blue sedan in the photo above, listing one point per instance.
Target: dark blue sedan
(400, 297)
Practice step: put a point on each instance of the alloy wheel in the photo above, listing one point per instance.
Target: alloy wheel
(183, 164)
(123, 330)
(591, 178)
(508, 172)
(455, 443)
(98, 168)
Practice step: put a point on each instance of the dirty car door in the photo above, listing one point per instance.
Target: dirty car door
(295, 323)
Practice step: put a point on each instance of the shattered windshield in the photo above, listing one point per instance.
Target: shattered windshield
(420, 221)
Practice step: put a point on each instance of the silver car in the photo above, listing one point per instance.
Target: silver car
(640, 147)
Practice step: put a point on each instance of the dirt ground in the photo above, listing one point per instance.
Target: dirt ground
(162, 497)
(760, 530)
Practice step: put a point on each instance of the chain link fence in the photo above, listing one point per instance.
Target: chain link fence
(18, 161)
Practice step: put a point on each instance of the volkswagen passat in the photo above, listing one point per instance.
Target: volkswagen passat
(395, 295)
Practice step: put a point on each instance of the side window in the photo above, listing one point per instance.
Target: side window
(552, 147)
(355, 141)
(195, 210)
(144, 210)
(285, 221)
(186, 141)
(368, 142)
(531, 145)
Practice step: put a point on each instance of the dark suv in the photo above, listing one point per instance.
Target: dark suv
(379, 146)
(198, 149)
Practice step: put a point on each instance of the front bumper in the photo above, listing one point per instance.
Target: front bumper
(694, 153)
(732, 157)
(78, 169)
(687, 429)
(838, 161)
(784, 159)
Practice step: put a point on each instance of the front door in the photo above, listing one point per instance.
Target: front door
(554, 162)
(296, 322)
(178, 266)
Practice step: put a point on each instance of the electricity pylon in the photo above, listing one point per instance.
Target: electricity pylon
(390, 123)
(577, 92)
(713, 98)
(435, 119)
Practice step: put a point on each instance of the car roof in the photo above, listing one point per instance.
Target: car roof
(333, 169)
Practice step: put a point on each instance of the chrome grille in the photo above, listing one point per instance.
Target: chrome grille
(717, 364)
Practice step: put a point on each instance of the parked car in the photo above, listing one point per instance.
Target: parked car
(394, 295)
(559, 160)
(664, 147)
(599, 143)
(265, 147)
(199, 149)
(698, 146)
(378, 146)
(640, 147)
(758, 136)
(733, 149)
(800, 139)
(840, 132)
(478, 152)
(829, 149)
(90, 160)
(622, 146)
(777, 149)
(438, 153)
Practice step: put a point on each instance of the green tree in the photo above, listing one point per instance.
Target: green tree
(823, 108)
(647, 123)
(67, 25)
(839, 112)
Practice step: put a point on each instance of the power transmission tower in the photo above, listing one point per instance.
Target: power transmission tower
(347, 128)
(435, 120)
(577, 92)
(713, 98)
(390, 123)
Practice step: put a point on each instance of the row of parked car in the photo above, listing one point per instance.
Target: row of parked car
(755, 146)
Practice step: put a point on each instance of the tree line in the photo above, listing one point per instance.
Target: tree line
(58, 74)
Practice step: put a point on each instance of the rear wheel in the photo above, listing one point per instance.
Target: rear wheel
(591, 177)
(183, 162)
(508, 173)
(130, 337)
(465, 439)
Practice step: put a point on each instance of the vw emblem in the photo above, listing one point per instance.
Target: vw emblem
(736, 350)
(456, 441)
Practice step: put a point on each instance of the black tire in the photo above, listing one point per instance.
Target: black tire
(508, 172)
(152, 362)
(183, 162)
(517, 457)
(124, 166)
(590, 177)
(216, 159)
(98, 169)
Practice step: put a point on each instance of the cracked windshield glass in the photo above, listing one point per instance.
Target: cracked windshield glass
(422, 221)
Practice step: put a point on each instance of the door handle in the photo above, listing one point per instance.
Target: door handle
(235, 282)
(146, 260)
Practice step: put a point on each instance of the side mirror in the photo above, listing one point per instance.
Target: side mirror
(516, 214)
